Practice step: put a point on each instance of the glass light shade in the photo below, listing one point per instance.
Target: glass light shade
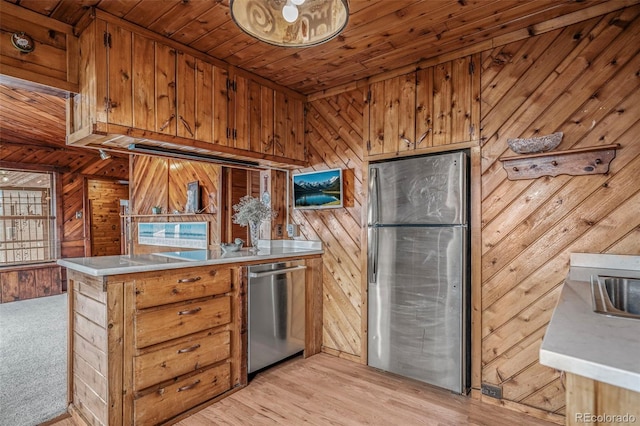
(318, 21)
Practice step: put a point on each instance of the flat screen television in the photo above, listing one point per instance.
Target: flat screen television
(318, 190)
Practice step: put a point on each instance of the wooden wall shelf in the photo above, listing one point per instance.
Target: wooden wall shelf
(574, 162)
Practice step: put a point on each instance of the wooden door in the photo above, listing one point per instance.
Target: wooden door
(104, 216)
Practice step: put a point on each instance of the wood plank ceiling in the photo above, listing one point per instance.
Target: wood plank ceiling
(381, 35)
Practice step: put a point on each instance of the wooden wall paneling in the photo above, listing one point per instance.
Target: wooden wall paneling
(72, 244)
(149, 184)
(48, 281)
(585, 84)
(334, 139)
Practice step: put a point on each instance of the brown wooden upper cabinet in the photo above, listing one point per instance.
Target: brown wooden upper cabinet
(276, 122)
(434, 106)
(134, 85)
(149, 85)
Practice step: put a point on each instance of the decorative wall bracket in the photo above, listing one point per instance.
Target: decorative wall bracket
(574, 162)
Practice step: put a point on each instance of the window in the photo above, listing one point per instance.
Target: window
(27, 222)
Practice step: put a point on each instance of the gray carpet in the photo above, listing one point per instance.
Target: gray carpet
(33, 360)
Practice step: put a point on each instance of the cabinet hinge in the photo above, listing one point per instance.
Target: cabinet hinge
(472, 67)
(368, 145)
(369, 96)
(107, 39)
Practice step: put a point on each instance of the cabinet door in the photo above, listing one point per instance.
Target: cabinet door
(185, 95)
(241, 108)
(165, 79)
(392, 115)
(119, 104)
(456, 101)
(221, 96)
(144, 91)
(424, 108)
(261, 118)
(289, 127)
(204, 117)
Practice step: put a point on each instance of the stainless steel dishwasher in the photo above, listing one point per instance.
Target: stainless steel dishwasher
(276, 312)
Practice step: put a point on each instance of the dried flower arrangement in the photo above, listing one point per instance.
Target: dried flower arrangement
(251, 209)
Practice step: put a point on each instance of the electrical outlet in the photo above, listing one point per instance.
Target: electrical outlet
(293, 230)
(279, 231)
(492, 390)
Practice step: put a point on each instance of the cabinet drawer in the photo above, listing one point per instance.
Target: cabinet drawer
(183, 284)
(172, 400)
(188, 354)
(175, 321)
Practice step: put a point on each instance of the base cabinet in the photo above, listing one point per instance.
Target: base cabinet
(590, 402)
(146, 348)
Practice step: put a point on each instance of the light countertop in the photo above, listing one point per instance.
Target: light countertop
(583, 342)
(114, 265)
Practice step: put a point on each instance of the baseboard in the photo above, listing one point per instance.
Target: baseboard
(343, 355)
(521, 408)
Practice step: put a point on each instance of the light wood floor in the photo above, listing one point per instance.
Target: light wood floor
(325, 390)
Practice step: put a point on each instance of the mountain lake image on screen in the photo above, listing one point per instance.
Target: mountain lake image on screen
(318, 190)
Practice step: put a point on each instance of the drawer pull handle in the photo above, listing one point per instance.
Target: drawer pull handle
(191, 349)
(189, 280)
(187, 387)
(190, 311)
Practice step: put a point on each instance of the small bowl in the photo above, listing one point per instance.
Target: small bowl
(537, 144)
(230, 247)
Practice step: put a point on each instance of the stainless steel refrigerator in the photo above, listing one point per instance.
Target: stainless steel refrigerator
(418, 269)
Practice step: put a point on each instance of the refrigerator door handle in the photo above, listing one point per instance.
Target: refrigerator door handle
(373, 255)
(372, 212)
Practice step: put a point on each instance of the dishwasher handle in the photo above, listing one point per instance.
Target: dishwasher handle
(276, 271)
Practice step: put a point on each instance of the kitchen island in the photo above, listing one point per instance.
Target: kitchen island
(154, 338)
(598, 353)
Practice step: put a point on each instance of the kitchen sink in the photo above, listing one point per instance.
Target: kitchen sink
(616, 296)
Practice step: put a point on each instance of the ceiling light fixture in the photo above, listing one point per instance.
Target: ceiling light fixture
(104, 154)
(291, 23)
